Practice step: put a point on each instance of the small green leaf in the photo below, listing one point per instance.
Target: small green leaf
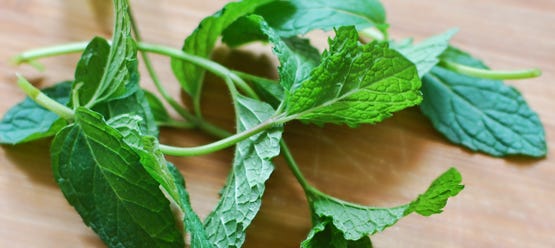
(28, 121)
(269, 90)
(135, 104)
(194, 226)
(156, 107)
(426, 54)
(103, 178)
(104, 73)
(355, 84)
(481, 114)
(296, 56)
(203, 39)
(356, 221)
(252, 166)
(325, 235)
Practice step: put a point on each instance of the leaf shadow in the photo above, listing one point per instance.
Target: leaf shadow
(33, 159)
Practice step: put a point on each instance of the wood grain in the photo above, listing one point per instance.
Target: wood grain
(506, 203)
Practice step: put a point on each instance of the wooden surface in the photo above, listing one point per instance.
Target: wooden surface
(506, 203)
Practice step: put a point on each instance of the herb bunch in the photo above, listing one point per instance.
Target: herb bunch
(109, 164)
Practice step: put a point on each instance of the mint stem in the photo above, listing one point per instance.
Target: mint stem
(491, 74)
(213, 67)
(292, 164)
(218, 145)
(43, 100)
(165, 95)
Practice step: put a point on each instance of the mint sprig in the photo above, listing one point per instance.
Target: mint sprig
(110, 165)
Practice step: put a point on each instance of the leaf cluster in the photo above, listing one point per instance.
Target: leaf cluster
(108, 162)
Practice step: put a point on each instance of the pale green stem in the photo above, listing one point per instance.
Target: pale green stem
(43, 100)
(218, 145)
(292, 164)
(165, 94)
(491, 74)
(372, 33)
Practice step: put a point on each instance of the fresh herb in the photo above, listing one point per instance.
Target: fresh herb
(110, 166)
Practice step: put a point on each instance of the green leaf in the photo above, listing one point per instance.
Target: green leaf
(135, 104)
(325, 235)
(426, 54)
(103, 178)
(163, 172)
(116, 64)
(192, 222)
(298, 17)
(355, 84)
(296, 56)
(202, 41)
(481, 114)
(355, 221)
(295, 17)
(28, 121)
(157, 108)
(269, 90)
(252, 166)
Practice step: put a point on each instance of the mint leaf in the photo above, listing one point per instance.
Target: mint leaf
(296, 56)
(135, 104)
(157, 108)
(355, 84)
(324, 234)
(297, 17)
(103, 178)
(192, 222)
(203, 39)
(355, 221)
(269, 90)
(481, 114)
(165, 173)
(425, 55)
(252, 166)
(116, 64)
(28, 121)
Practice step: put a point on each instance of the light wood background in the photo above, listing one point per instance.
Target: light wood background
(507, 202)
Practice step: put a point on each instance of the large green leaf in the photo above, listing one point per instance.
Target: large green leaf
(28, 121)
(355, 84)
(297, 17)
(104, 71)
(103, 178)
(203, 39)
(355, 221)
(252, 166)
(165, 173)
(481, 114)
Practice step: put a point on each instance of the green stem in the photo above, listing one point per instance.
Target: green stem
(31, 55)
(148, 64)
(43, 99)
(292, 164)
(218, 145)
(490, 74)
(372, 33)
(176, 124)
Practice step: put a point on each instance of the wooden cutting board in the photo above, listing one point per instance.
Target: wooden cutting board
(506, 203)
